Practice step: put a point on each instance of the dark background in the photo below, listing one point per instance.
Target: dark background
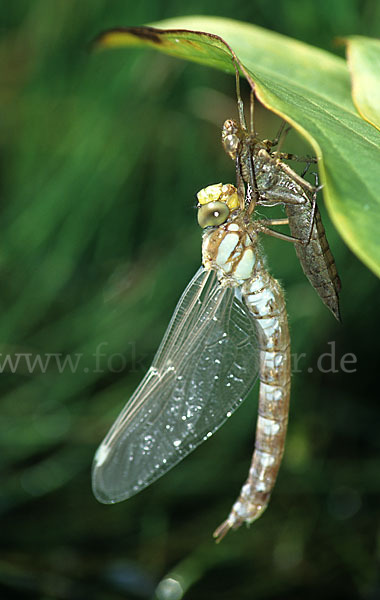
(100, 157)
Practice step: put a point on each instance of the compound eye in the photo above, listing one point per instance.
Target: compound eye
(231, 143)
(213, 214)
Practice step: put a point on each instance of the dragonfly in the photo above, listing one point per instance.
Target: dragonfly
(274, 182)
(229, 327)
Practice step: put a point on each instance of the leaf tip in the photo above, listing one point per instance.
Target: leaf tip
(126, 36)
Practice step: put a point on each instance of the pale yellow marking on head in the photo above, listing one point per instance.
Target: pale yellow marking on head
(219, 192)
(210, 193)
(230, 196)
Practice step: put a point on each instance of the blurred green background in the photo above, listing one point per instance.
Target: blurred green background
(100, 157)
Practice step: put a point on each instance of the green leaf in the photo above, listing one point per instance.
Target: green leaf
(308, 87)
(363, 55)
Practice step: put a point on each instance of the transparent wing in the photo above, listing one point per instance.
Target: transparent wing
(204, 368)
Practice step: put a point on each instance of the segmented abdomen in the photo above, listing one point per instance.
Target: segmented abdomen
(316, 258)
(265, 300)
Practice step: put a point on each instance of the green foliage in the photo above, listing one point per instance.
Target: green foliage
(364, 63)
(100, 157)
(308, 87)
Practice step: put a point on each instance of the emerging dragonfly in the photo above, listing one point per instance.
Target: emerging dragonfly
(274, 182)
(229, 326)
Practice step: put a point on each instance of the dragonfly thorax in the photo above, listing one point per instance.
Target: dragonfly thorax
(230, 250)
(229, 240)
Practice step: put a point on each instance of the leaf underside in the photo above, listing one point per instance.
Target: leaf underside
(308, 87)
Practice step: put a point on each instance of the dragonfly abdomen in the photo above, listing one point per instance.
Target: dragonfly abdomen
(265, 300)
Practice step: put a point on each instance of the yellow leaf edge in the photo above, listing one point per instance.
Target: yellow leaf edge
(349, 43)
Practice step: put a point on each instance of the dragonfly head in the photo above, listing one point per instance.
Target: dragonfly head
(239, 144)
(215, 203)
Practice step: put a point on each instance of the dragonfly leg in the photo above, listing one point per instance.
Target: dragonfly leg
(279, 139)
(305, 170)
(284, 221)
(239, 99)
(252, 112)
(314, 207)
(273, 198)
(310, 207)
(240, 183)
(281, 236)
(289, 156)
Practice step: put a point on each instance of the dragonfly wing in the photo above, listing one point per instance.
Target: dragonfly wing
(205, 367)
